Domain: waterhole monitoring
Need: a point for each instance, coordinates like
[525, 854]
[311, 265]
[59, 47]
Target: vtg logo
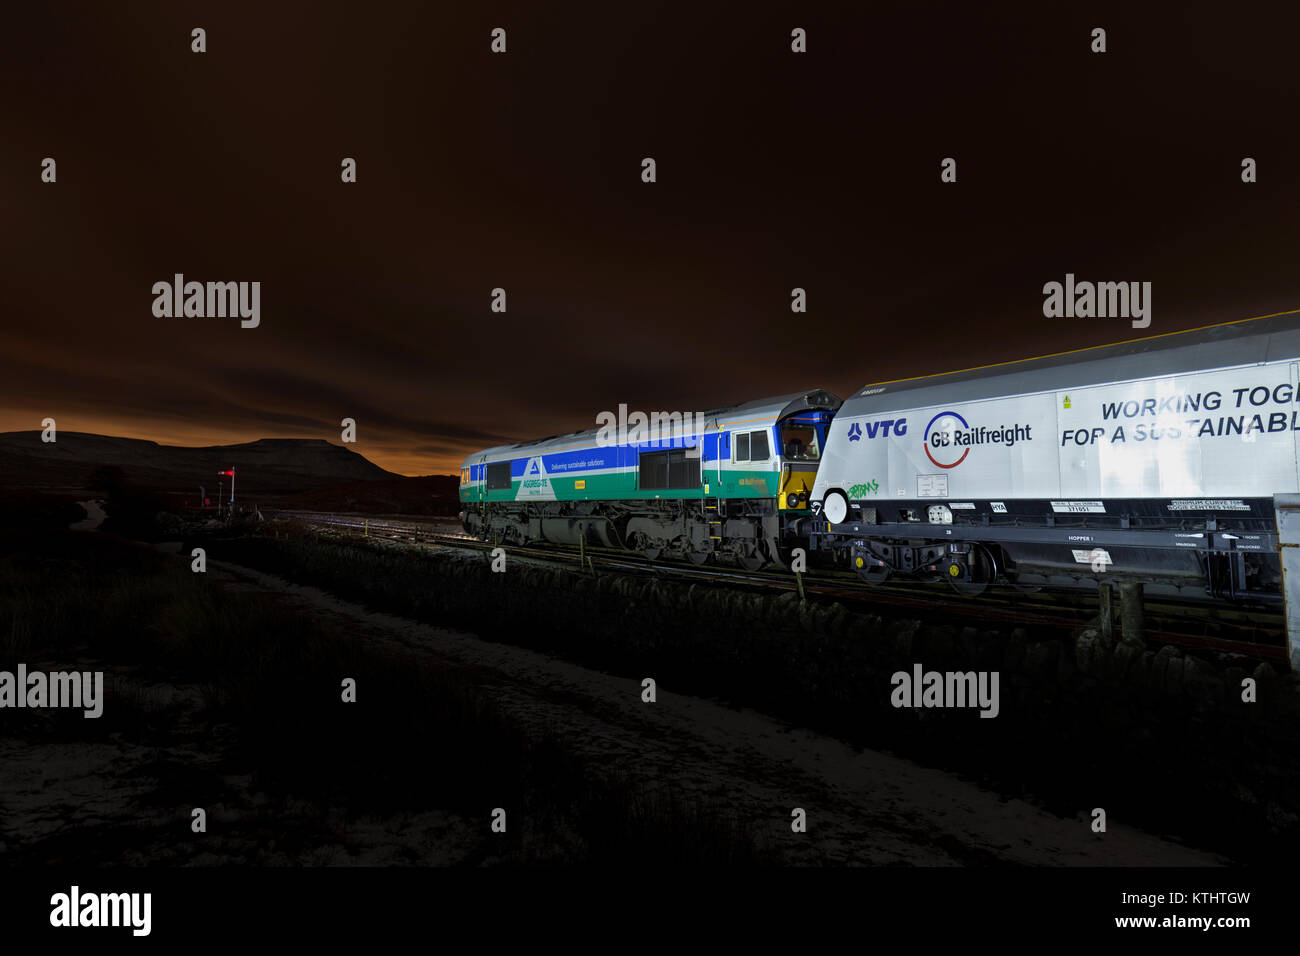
[941, 439]
[898, 425]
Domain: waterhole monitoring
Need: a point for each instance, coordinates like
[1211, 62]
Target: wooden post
[1106, 607]
[1132, 625]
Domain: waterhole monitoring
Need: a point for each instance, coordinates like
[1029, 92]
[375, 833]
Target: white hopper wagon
[1169, 461]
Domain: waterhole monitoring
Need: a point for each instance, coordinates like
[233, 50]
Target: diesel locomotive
[733, 485]
[1170, 460]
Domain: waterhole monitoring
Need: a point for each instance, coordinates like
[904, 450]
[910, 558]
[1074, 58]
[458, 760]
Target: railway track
[1232, 631]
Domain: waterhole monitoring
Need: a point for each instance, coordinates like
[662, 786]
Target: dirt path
[863, 807]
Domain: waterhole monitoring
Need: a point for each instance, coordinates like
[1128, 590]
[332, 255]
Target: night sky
[523, 171]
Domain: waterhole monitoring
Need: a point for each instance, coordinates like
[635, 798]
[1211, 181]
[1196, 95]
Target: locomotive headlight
[792, 500]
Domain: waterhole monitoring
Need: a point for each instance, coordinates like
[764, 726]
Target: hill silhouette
[268, 466]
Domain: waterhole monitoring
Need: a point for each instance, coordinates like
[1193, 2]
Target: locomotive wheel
[697, 557]
[753, 558]
[975, 577]
[641, 542]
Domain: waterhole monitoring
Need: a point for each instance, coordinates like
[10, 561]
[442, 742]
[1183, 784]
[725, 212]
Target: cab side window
[742, 447]
[758, 446]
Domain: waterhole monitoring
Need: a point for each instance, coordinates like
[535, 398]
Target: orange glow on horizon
[389, 455]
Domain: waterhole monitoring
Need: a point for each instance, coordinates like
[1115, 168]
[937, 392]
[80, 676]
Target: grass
[420, 736]
[1072, 742]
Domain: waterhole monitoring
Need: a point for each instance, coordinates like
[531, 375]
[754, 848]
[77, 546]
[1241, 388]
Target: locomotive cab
[800, 439]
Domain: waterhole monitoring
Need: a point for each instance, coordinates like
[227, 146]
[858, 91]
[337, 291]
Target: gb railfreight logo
[949, 438]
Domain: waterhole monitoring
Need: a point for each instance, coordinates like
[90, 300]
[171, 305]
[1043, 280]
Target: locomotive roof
[755, 411]
[1244, 342]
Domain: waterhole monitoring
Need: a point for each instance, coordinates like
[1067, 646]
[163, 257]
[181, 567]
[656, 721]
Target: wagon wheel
[979, 572]
[1012, 574]
[875, 574]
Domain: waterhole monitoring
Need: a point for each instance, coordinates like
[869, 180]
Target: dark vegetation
[428, 495]
[268, 683]
[32, 511]
[133, 511]
[1158, 739]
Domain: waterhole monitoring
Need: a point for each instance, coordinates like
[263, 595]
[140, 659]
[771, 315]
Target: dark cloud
[522, 171]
